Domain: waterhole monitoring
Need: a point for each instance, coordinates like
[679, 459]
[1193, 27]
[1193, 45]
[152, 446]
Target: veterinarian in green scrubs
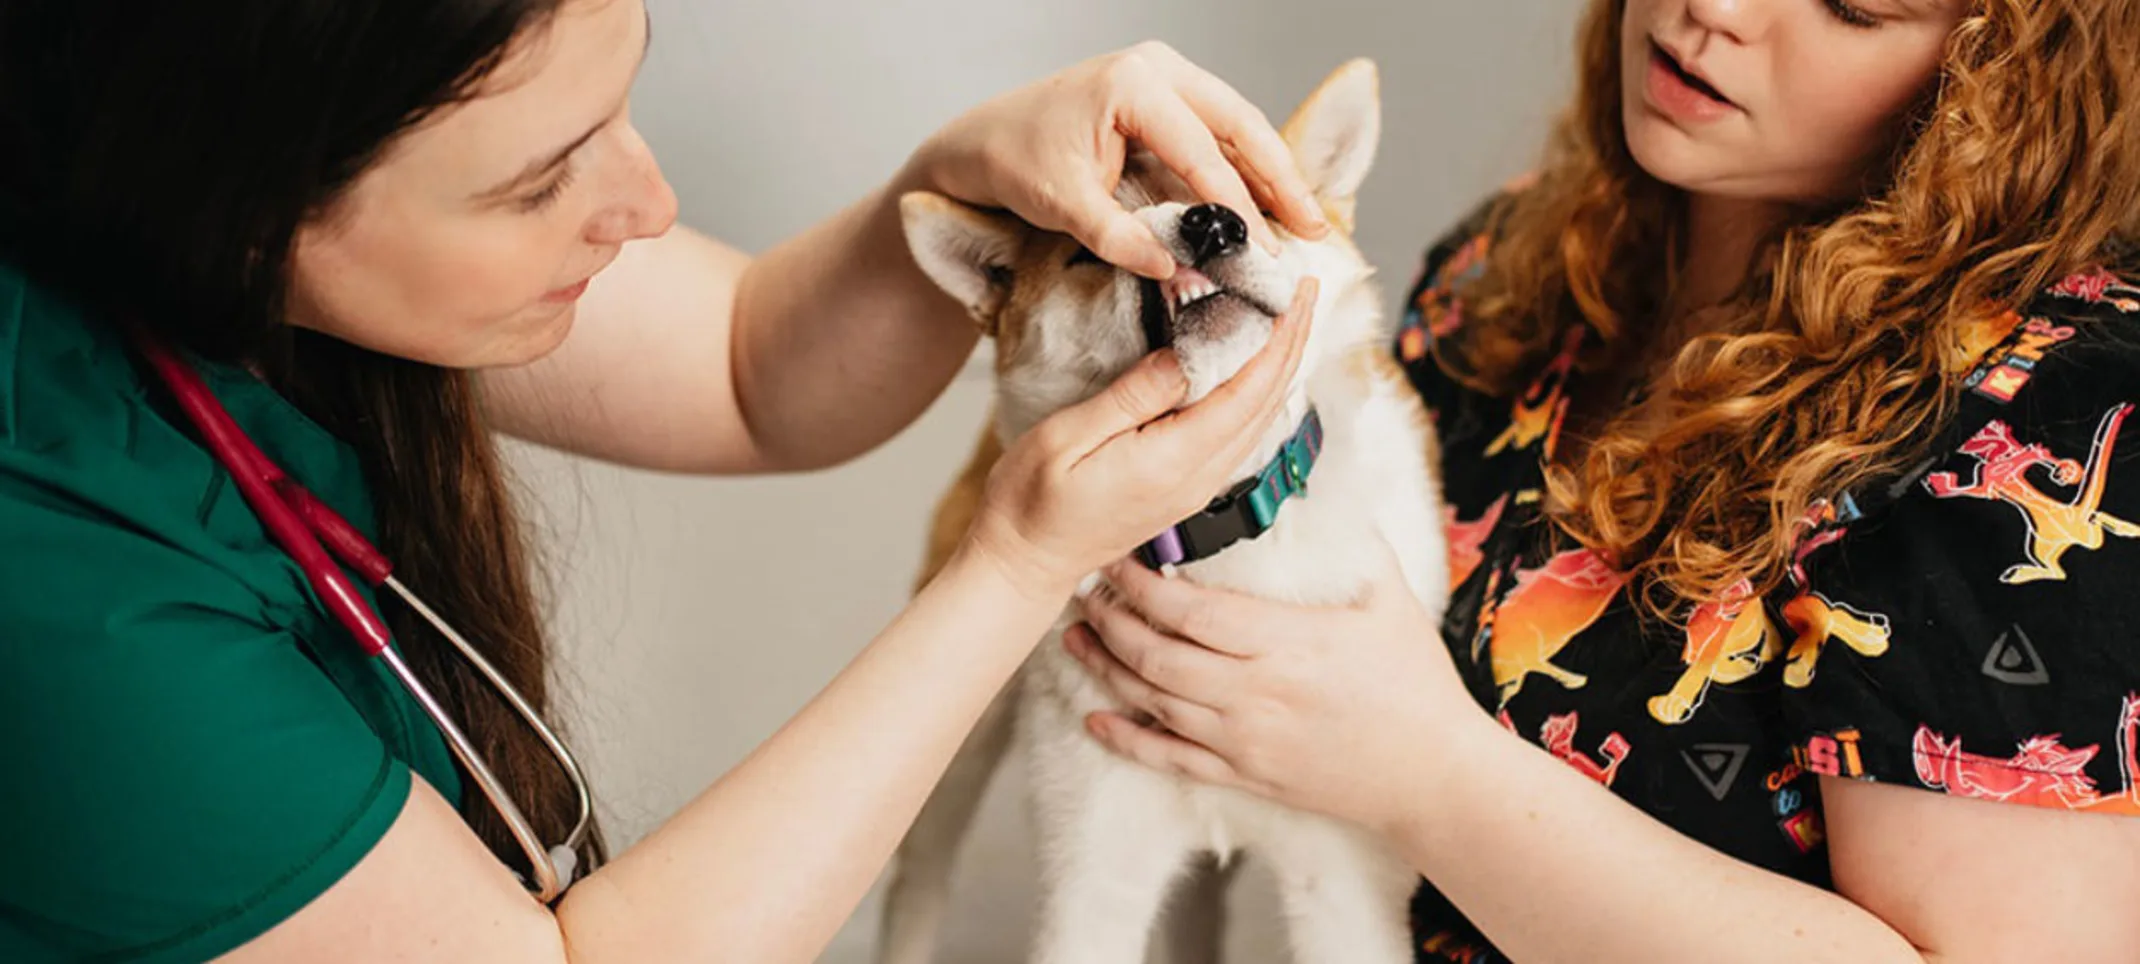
[403, 228]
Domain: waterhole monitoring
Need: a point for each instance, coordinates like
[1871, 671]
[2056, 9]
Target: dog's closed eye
[1083, 255]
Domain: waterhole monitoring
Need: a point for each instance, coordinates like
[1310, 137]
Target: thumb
[1099, 222]
[1151, 388]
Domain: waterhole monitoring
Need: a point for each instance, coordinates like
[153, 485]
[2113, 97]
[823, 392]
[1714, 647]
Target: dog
[1116, 836]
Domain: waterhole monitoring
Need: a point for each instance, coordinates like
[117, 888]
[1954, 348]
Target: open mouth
[1698, 85]
[1188, 289]
[1192, 299]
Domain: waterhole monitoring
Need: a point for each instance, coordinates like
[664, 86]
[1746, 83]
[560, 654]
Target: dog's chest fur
[1372, 478]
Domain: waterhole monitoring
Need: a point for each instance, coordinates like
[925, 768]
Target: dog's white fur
[1114, 835]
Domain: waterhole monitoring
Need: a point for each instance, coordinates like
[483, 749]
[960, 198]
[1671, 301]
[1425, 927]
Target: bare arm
[768, 862]
[764, 865]
[1574, 873]
[691, 356]
[1548, 863]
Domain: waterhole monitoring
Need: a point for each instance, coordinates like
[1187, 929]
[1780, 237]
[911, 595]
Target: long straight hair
[180, 147]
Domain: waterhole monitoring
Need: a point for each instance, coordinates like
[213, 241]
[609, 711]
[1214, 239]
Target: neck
[1722, 237]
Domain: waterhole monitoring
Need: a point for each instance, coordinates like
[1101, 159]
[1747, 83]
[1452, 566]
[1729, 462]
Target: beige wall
[697, 614]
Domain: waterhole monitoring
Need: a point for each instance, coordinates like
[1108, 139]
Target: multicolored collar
[1246, 511]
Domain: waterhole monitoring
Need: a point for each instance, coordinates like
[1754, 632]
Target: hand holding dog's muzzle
[1095, 480]
[1053, 153]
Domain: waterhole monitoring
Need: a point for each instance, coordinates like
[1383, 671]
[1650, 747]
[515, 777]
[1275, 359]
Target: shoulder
[158, 698]
[1434, 307]
[1455, 255]
[195, 740]
[63, 374]
[2075, 343]
[96, 506]
[80, 465]
[1974, 627]
[160, 690]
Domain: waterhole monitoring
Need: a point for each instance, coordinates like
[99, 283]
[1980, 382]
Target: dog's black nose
[1212, 230]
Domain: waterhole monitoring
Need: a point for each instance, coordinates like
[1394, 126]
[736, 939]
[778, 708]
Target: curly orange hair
[1837, 358]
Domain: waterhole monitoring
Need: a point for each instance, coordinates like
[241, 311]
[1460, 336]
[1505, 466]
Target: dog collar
[1247, 510]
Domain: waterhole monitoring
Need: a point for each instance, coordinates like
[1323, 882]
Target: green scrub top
[191, 749]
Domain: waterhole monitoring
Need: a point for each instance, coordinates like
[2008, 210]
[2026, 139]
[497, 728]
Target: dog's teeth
[1191, 292]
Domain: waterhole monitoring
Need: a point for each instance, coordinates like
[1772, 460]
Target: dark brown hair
[181, 146]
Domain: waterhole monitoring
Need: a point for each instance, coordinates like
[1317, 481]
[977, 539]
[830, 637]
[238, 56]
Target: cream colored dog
[1116, 836]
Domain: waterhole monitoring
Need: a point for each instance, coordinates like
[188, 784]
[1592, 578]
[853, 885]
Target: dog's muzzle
[1210, 232]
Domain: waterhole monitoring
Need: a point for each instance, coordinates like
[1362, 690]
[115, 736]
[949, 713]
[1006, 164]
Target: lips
[1682, 94]
[568, 294]
[1690, 77]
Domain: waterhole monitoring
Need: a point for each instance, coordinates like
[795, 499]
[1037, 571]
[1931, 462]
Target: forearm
[1553, 867]
[839, 341]
[767, 863]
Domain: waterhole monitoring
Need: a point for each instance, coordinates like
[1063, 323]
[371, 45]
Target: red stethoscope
[308, 530]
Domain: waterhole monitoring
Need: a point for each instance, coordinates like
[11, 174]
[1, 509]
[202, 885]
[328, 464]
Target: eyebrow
[549, 162]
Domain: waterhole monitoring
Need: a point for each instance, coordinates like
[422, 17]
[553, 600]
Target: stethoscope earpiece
[567, 861]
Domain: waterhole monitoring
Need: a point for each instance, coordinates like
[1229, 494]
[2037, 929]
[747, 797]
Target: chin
[535, 342]
[1664, 151]
[1669, 155]
[509, 344]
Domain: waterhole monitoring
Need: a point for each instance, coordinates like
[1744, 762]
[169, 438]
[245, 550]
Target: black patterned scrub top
[1971, 629]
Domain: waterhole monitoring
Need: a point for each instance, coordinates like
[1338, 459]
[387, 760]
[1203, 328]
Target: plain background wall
[695, 615]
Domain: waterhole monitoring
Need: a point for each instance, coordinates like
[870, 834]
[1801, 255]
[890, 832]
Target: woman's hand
[1053, 152]
[1095, 480]
[1354, 711]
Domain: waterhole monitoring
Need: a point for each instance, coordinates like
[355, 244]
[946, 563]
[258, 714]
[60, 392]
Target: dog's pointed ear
[968, 252]
[1334, 136]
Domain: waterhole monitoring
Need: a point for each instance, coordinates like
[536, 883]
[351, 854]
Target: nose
[1212, 231]
[646, 207]
[648, 212]
[1742, 20]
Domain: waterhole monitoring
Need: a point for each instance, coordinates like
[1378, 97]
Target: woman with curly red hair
[1787, 444]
